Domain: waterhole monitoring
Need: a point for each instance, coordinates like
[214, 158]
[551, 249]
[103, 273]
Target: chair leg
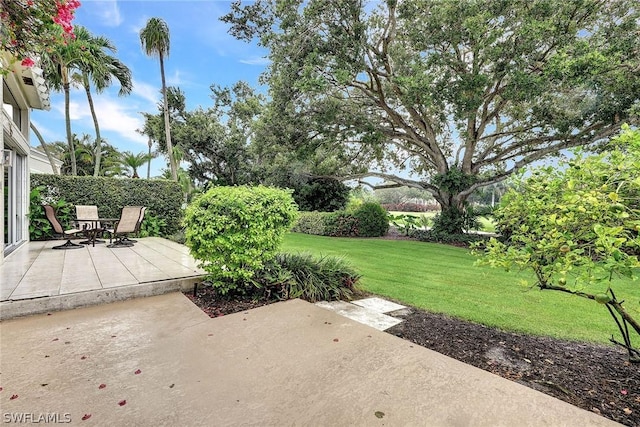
[68, 245]
[120, 243]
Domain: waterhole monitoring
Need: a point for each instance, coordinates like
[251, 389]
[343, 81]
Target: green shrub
[39, 226]
[317, 279]
[373, 220]
[434, 236]
[233, 231]
[163, 198]
[152, 226]
[310, 223]
[321, 194]
[340, 224]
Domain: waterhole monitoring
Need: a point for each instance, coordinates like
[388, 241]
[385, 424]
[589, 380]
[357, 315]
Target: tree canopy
[456, 95]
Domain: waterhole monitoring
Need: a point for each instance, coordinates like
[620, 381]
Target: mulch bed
[593, 377]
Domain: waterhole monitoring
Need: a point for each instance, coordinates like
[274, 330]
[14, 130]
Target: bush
[310, 223]
[373, 220]
[411, 207]
[316, 279]
[340, 224]
[234, 231]
[162, 198]
[434, 236]
[39, 226]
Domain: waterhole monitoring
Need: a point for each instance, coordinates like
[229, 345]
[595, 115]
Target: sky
[202, 53]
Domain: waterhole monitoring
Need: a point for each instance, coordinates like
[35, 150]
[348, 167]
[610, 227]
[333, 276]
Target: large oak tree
[458, 94]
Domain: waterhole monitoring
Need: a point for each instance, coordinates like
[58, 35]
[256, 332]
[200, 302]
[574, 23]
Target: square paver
[378, 304]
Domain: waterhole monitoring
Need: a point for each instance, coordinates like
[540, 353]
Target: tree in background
[577, 227]
[85, 149]
[133, 162]
[100, 72]
[459, 94]
[155, 41]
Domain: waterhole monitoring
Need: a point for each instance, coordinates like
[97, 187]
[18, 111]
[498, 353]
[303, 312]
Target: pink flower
[27, 62]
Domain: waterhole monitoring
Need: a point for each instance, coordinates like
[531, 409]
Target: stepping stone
[363, 315]
[378, 304]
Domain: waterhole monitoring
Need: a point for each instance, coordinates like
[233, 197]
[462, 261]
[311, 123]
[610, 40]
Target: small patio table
[93, 231]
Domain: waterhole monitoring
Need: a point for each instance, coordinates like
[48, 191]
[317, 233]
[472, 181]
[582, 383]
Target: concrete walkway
[160, 361]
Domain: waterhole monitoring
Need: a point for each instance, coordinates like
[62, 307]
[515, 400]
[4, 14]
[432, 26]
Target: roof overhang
[32, 84]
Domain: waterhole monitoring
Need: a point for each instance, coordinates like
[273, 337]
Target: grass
[443, 279]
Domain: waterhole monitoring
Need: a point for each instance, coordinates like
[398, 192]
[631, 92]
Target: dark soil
[593, 377]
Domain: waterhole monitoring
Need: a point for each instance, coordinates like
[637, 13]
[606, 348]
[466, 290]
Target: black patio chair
[57, 227]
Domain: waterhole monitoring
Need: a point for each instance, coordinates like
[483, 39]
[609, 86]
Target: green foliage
[310, 223]
[576, 226]
[372, 219]
[161, 197]
[152, 226]
[321, 194]
[314, 279]
[39, 226]
[408, 223]
[340, 224]
[234, 231]
[465, 239]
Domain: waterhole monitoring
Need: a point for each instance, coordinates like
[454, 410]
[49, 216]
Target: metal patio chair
[126, 225]
[57, 227]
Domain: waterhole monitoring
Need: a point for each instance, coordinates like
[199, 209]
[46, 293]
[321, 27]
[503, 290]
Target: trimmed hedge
[163, 198]
[368, 220]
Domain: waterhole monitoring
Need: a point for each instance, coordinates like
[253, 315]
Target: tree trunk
[451, 219]
[149, 162]
[67, 117]
[167, 126]
[98, 147]
[44, 148]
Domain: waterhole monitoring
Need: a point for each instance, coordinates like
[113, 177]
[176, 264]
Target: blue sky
[202, 53]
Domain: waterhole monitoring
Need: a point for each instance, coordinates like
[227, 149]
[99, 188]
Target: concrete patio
[38, 279]
[160, 361]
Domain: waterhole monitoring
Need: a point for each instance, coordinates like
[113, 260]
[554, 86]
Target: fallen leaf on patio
[46, 355]
[623, 391]
[85, 417]
[336, 340]
[44, 385]
[1, 389]
[627, 411]
[138, 371]
[210, 335]
[55, 339]
[13, 397]
[67, 342]
[101, 386]
[113, 336]
[379, 414]
[172, 385]
[83, 357]
[122, 402]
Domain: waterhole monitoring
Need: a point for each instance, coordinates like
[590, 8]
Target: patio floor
[37, 279]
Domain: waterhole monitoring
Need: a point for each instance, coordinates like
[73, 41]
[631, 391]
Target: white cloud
[117, 116]
[146, 91]
[256, 60]
[108, 12]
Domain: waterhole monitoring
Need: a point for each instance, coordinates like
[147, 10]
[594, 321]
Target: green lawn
[443, 279]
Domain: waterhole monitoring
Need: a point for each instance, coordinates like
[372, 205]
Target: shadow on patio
[38, 279]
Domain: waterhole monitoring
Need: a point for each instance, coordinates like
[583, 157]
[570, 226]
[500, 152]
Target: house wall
[15, 137]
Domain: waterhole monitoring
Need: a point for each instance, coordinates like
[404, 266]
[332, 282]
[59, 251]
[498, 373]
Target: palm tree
[100, 72]
[58, 65]
[45, 147]
[154, 38]
[133, 162]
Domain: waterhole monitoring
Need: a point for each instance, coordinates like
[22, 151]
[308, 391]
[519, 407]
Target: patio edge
[20, 308]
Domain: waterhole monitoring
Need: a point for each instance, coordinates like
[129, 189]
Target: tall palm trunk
[98, 147]
[149, 162]
[167, 127]
[67, 116]
[44, 148]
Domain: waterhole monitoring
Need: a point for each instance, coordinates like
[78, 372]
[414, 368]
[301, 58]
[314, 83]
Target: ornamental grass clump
[234, 231]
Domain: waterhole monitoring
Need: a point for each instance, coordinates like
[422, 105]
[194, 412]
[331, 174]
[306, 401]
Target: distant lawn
[443, 279]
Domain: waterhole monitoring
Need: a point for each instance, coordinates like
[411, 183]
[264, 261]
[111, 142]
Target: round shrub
[373, 220]
[233, 231]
